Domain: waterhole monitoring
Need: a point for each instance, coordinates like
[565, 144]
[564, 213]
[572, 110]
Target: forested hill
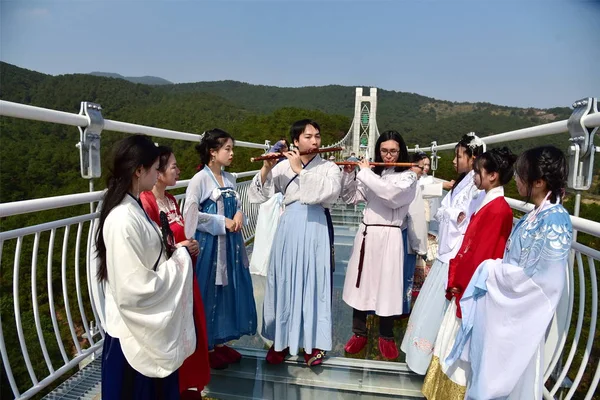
[420, 119]
[39, 159]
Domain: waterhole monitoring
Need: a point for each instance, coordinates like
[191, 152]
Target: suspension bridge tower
[365, 132]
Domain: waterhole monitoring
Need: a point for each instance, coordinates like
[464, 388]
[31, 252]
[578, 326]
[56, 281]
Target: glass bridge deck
[361, 376]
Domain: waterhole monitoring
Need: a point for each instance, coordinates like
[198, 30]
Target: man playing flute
[297, 306]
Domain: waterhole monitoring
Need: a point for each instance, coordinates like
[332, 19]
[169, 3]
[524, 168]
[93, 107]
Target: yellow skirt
[437, 385]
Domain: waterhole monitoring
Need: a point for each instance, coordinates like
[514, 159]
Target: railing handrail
[17, 110]
[553, 128]
[49, 203]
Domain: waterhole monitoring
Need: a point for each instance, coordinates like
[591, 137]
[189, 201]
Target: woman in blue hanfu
[509, 302]
[453, 217]
[214, 218]
[297, 306]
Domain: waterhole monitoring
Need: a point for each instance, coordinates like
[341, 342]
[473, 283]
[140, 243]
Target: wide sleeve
[352, 192]
[259, 192]
[213, 224]
[417, 224]
[505, 303]
[320, 185]
[394, 193]
[154, 305]
[439, 214]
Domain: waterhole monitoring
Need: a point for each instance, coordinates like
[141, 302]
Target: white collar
[467, 180]
[490, 196]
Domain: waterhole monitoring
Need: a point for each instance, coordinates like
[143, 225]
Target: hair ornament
[476, 142]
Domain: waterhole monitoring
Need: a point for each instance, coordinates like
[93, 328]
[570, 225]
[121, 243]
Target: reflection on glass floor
[340, 377]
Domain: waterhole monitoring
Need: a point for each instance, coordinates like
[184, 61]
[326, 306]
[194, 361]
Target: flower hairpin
[476, 141]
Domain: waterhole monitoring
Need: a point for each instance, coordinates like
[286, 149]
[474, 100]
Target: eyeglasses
[391, 152]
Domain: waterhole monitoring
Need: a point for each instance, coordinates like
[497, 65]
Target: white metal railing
[10, 109]
[70, 319]
[553, 128]
[76, 304]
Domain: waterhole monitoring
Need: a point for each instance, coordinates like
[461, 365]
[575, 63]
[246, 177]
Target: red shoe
[355, 344]
[314, 358]
[216, 360]
[276, 357]
[230, 355]
[191, 395]
[388, 348]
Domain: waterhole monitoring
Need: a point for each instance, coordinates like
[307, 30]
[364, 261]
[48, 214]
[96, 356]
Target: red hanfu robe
[484, 239]
[195, 371]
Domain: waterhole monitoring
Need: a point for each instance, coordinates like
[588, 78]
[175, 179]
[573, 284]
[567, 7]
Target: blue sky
[540, 53]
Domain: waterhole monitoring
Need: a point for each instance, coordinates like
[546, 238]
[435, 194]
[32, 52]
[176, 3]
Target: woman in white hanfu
[509, 303]
[148, 317]
[375, 273]
[453, 217]
[297, 305]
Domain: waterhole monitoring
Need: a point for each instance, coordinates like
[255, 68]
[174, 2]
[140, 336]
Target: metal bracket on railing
[434, 156]
[582, 149]
[89, 140]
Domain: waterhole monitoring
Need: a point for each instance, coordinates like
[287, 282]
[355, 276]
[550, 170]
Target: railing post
[434, 158]
[89, 143]
[581, 150]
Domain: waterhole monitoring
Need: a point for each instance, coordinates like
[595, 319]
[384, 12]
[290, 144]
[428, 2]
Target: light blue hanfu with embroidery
[222, 265]
[508, 306]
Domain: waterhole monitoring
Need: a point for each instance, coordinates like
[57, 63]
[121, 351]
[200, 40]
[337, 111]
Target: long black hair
[213, 139]
[418, 156]
[164, 153]
[128, 155]
[470, 149]
[402, 155]
[500, 161]
[547, 163]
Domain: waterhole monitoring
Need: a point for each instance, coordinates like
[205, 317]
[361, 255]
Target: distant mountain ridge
[146, 80]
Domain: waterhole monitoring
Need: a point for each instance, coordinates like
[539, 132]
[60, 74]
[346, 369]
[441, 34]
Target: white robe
[416, 224]
[465, 198]
[150, 312]
[388, 198]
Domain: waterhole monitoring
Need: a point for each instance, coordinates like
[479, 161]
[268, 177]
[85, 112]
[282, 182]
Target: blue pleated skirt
[121, 381]
[297, 306]
[230, 310]
[410, 263]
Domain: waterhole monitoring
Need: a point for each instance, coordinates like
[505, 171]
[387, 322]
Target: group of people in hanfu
[178, 288]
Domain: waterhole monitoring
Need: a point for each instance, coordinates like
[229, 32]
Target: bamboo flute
[272, 156]
[378, 164]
